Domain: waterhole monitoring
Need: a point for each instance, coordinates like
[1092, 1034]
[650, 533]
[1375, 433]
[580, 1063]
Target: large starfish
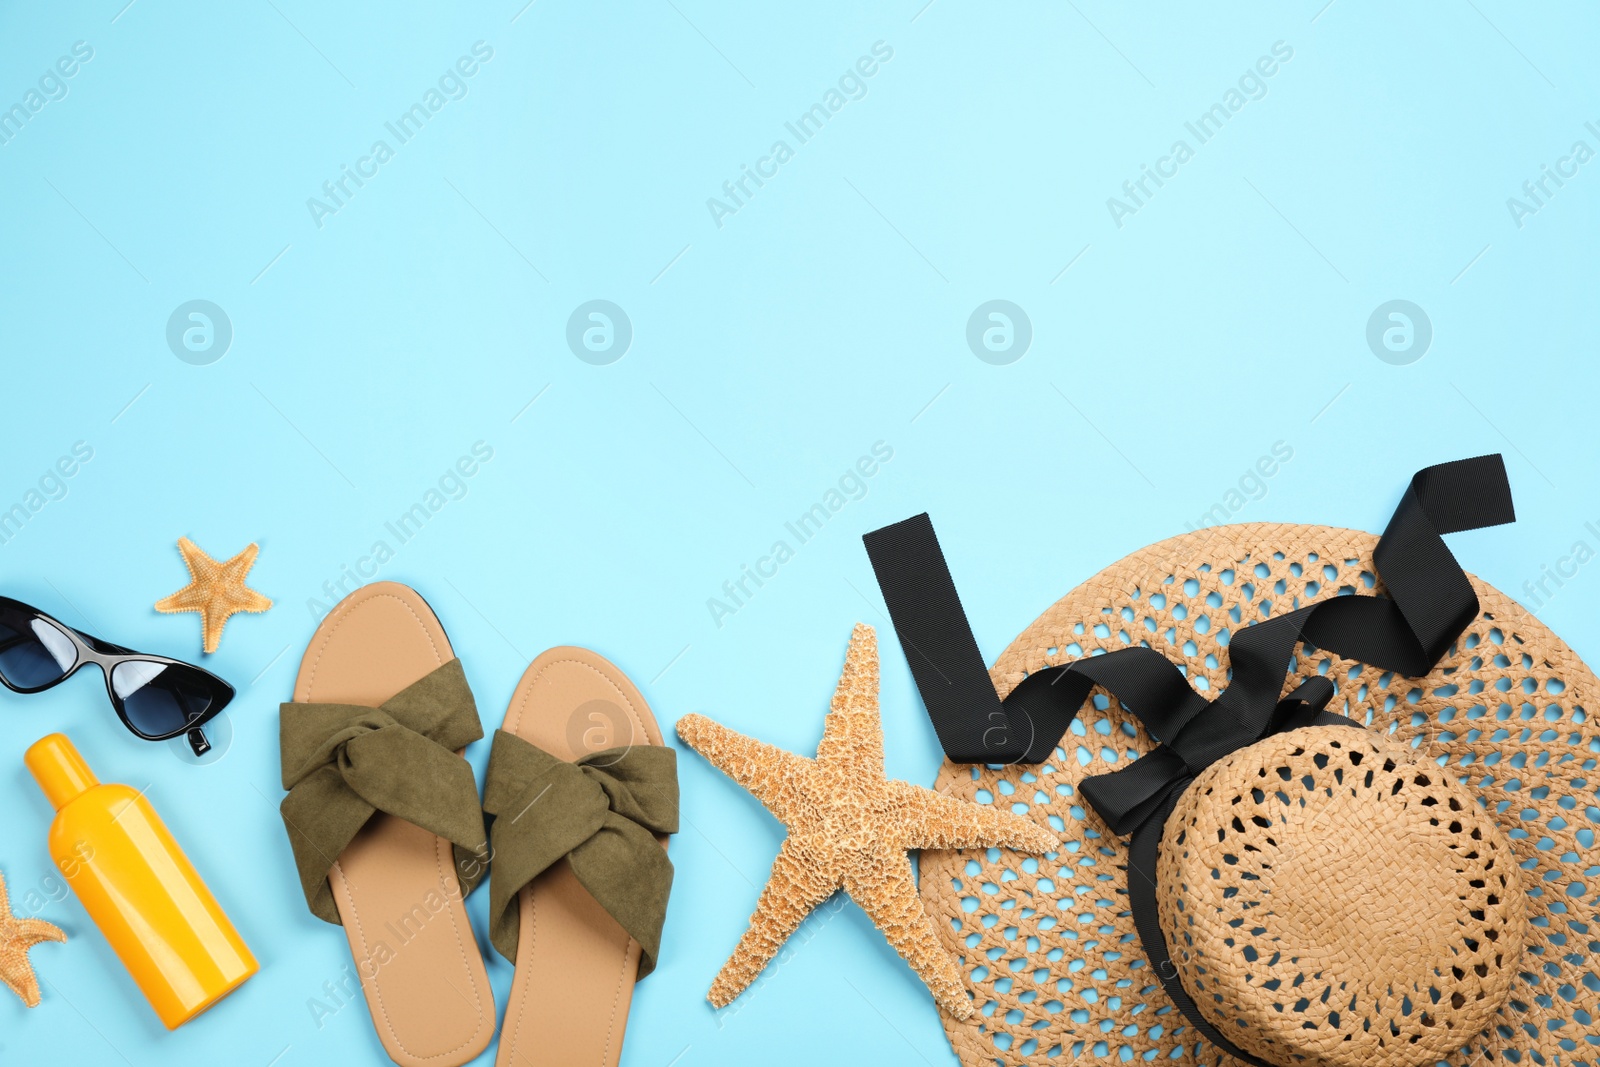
[216, 590]
[850, 828]
[17, 936]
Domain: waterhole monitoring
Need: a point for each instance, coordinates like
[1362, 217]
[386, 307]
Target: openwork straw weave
[1329, 899]
[1048, 948]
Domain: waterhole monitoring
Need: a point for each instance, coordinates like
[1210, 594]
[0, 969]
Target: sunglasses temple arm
[198, 742]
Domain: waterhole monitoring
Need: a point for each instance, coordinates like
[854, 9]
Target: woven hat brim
[1048, 946]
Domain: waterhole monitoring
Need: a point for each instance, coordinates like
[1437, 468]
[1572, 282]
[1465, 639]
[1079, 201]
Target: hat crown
[1329, 898]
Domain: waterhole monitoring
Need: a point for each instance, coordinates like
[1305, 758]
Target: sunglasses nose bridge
[108, 663]
[88, 657]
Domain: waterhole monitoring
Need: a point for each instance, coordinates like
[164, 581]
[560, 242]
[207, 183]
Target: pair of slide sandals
[389, 836]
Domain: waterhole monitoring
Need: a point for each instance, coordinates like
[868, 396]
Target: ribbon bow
[1128, 797]
[602, 813]
[342, 763]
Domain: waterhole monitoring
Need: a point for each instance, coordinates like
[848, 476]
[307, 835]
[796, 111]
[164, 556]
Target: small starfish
[17, 936]
[216, 590]
[850, 828]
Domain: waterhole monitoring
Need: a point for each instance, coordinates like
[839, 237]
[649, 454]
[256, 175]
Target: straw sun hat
[1399, 871]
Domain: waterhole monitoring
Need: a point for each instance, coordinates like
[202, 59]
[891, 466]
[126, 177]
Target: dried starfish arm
[933, 820]
[793, 889]
[29, 932]
[769, 773]
[852, 732]
[17, 975]
[887, 891]
[17, 936]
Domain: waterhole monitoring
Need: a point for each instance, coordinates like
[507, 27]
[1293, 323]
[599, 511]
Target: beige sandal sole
[576, 965]
[395, 884]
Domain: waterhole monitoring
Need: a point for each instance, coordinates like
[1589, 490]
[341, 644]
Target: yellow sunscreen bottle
[139, 887]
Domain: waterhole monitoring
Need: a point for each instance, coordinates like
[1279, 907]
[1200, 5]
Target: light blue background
[829, 313]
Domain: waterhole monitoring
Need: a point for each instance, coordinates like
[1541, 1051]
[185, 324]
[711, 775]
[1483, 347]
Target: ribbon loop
[1303, 707]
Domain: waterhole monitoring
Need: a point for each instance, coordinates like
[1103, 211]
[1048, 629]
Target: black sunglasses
[156, 698]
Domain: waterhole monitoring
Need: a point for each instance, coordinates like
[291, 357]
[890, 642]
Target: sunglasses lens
[33, 652]
[162, 699]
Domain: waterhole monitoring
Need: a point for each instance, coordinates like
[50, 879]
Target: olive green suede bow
[602, 813]
[344, 762]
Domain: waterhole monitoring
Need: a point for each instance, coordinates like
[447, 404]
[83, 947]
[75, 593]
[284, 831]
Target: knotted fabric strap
[602, 813]
[344, 762]
[1431, 603]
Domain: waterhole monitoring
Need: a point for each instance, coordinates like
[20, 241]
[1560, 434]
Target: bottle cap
[59, 769]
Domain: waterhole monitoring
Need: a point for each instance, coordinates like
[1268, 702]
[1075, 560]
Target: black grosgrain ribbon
[1430, 603]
